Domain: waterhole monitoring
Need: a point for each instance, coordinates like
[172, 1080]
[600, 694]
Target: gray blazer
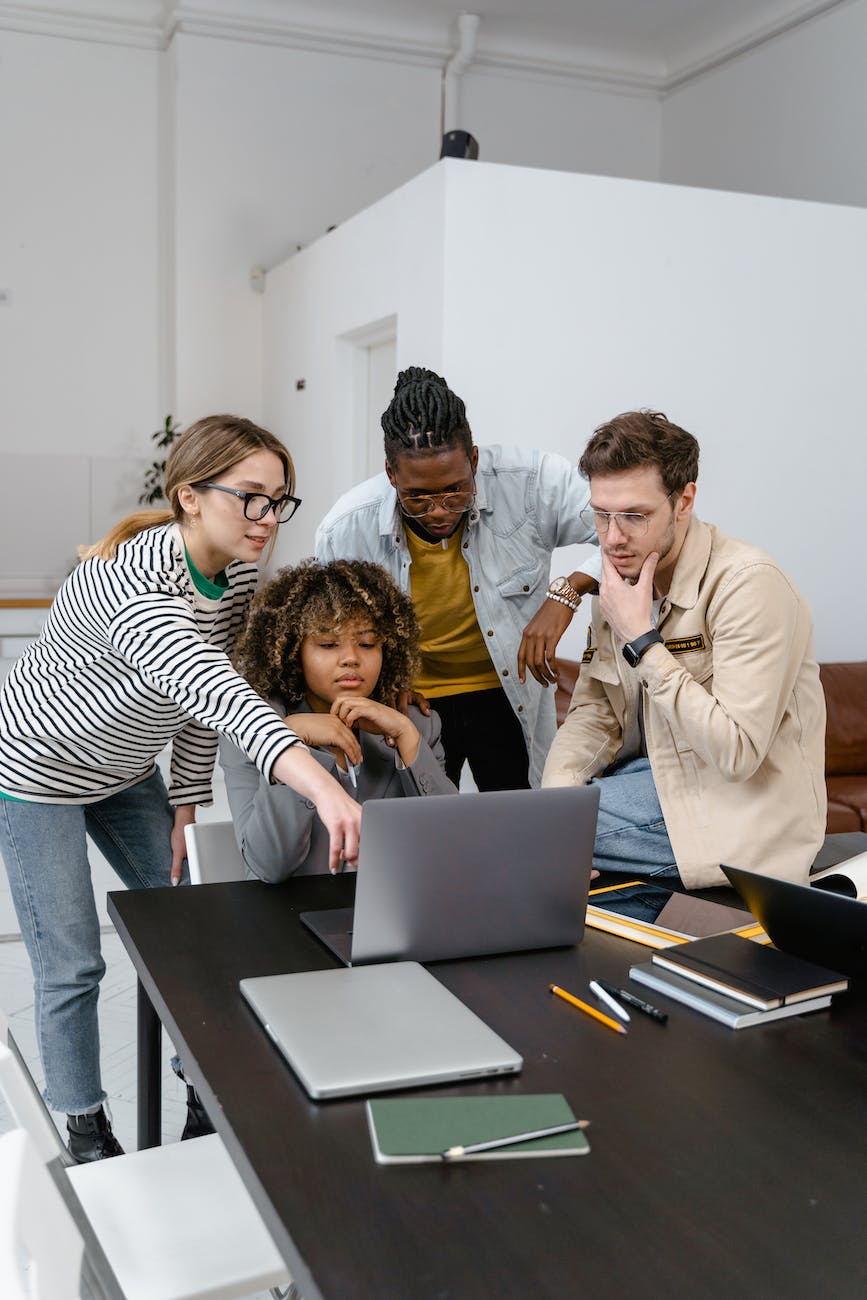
[277, 829]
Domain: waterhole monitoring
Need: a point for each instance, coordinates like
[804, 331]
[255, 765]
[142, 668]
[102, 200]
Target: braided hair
[424, 415]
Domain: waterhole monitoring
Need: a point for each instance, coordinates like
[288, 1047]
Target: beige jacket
[733, 710]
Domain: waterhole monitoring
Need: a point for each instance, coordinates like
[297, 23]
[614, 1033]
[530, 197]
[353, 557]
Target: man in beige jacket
[699, 707]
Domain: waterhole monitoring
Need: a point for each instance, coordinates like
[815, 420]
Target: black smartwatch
[633, 650]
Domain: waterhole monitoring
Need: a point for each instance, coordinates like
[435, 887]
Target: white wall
[786, 119]
[273, 146]
[567, 299]
[79, 254]
[79, 364]
[544, 122]
[386, 264]
[141, 186]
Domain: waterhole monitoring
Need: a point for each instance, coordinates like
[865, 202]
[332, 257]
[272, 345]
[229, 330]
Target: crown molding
[139, 25]
[751, 38]
[153, 24]
[265, 29]
[620, 80]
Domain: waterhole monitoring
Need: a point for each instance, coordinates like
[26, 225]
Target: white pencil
[609, 1001]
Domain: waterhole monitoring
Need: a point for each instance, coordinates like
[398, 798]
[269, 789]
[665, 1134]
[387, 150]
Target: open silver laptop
[375, 1028]
[468, 874]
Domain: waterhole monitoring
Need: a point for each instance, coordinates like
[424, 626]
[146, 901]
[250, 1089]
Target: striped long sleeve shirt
[131, 658]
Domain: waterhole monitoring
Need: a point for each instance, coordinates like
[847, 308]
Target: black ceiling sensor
[459, 144]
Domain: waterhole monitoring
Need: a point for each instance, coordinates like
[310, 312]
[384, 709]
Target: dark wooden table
[723, 1163]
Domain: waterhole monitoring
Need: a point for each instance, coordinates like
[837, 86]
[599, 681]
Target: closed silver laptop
[464, 875]
[375, 1028]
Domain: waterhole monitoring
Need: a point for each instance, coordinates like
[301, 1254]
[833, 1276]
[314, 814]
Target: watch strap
[633, 650]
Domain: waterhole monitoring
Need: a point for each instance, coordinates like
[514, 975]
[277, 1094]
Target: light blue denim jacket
[527, 503]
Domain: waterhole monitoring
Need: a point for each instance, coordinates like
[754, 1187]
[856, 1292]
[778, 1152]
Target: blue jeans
[630, 833]
[44, 847]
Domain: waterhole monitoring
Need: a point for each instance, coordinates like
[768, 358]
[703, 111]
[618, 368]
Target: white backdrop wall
[566, 299]
[786, 119]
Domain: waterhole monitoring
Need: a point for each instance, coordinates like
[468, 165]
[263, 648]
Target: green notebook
[415, 1130]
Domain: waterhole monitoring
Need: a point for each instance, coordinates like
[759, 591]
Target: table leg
[149, 1073]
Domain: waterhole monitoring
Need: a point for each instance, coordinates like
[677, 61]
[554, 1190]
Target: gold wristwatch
[561, 590]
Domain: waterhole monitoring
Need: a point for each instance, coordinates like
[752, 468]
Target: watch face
[558, 585]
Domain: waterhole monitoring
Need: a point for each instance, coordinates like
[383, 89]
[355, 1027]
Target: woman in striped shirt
[133, 656]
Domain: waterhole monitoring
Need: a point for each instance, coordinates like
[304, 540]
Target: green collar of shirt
[213, 590]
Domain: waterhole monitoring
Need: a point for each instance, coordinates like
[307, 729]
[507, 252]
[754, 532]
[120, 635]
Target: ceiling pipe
[468, 26]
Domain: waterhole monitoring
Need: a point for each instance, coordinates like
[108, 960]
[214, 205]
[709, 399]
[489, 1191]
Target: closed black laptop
[815, 924]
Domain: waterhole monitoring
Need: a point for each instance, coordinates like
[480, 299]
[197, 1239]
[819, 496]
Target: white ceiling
[662, 34]
[662, 40]
[649, 43]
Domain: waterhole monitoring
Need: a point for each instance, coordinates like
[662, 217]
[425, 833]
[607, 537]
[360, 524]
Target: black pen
[632, 1001]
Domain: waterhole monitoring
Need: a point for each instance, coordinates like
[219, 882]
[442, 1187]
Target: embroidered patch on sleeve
[681, 645]
[590, 650]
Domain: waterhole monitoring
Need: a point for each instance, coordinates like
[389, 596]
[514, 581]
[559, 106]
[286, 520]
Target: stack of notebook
[738, 981]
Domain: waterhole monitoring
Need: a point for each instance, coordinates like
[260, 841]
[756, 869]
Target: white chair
[41, 1249]
[212, 853]
[175, 1222]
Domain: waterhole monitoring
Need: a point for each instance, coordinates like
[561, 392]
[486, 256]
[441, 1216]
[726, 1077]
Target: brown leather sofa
[845, 687]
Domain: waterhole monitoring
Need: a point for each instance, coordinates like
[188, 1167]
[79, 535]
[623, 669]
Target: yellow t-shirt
[454, 656]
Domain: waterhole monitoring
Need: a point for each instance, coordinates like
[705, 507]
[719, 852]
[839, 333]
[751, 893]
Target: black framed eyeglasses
[257, 504]
[455, 503]
[628, 521]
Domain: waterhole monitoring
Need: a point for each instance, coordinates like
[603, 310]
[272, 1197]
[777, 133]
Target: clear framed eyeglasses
[630, 522]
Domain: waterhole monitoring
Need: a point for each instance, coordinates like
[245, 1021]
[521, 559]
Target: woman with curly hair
[330, 646]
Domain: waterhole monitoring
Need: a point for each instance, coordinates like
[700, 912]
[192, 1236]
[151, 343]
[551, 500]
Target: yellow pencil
[582, 1006]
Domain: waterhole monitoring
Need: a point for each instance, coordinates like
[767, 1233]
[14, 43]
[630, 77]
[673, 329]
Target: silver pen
[455, 1153]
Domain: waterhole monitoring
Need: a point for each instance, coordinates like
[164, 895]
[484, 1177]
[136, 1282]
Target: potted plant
[153, 479]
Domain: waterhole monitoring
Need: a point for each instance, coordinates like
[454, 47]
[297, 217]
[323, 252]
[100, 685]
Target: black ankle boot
[198, 1124]
[91, 1138]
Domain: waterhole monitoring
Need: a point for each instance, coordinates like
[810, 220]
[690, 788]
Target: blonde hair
[207, 449]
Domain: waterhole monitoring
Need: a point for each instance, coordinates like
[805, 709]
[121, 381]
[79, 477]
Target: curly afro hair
[311, 598]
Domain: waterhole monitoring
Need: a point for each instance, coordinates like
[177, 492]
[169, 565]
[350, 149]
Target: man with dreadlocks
[468, 531]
